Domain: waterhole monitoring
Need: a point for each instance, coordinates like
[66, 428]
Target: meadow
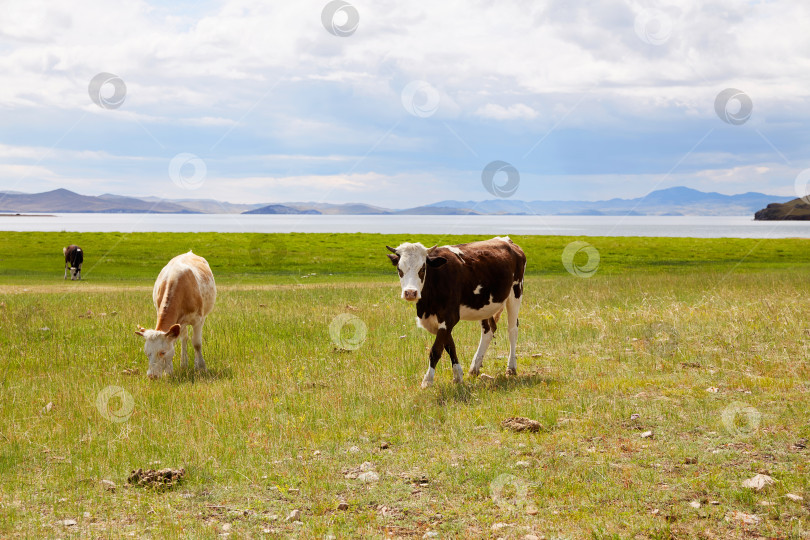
[661, 382]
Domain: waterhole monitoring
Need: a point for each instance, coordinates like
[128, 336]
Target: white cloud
[270, 79]
[518, 111]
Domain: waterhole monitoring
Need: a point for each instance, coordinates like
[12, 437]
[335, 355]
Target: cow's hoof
[474, 372]
[458, 374]
[426, 384]
[511, 372]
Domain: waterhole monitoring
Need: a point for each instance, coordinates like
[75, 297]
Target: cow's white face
[159, 348]
[412, 261]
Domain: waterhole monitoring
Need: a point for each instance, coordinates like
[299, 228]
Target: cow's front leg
[450, 347]
[184, 347]
[435, 354]
[196, 340]
[66, 270]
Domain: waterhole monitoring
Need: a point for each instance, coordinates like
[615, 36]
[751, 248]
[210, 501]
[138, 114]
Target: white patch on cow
[428, 378]
[430, 323]
[477, 290]
[443, 326]
[504, 238]
[412, 258]
[466, 313]
[458, 373]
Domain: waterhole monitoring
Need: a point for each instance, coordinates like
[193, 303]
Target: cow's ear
[173, 332]
[140, 331]
[436, 262]
[394, 259]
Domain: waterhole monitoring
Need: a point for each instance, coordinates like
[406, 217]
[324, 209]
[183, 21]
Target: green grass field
[702, 342]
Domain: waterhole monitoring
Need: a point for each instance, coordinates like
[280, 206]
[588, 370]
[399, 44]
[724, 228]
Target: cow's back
[188, 281]
[73, 255]
[476, 275]
[492, 260]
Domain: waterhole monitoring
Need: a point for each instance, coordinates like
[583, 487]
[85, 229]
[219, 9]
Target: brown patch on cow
[178, 297]
[490, 325]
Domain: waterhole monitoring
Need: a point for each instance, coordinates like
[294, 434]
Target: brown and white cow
[466, 282]
[74, 257]
[184, 295]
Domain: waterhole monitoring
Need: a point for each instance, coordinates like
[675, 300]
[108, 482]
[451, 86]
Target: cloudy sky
[403, 103]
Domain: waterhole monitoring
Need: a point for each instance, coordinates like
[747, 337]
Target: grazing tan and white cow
[184, 295]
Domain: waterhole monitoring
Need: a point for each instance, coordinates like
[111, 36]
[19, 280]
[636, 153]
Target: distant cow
[74, 257]
[184, 295]
[467, 282]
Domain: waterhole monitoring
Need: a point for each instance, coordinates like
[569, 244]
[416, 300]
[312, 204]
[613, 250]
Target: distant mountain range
[676, 201]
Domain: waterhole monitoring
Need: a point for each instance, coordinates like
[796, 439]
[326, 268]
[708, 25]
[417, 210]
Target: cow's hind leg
[184, 346]
[488, 327]
[196, 340]
[66, 269]
[450, 347]
[512, 309]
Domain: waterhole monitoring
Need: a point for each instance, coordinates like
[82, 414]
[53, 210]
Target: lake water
[686, 226]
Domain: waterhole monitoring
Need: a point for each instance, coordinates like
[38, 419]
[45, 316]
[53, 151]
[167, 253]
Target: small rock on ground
[343, 505]
[368, 477]
[758, 482]
[742, 517]
[796, 498]
[294, 515]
